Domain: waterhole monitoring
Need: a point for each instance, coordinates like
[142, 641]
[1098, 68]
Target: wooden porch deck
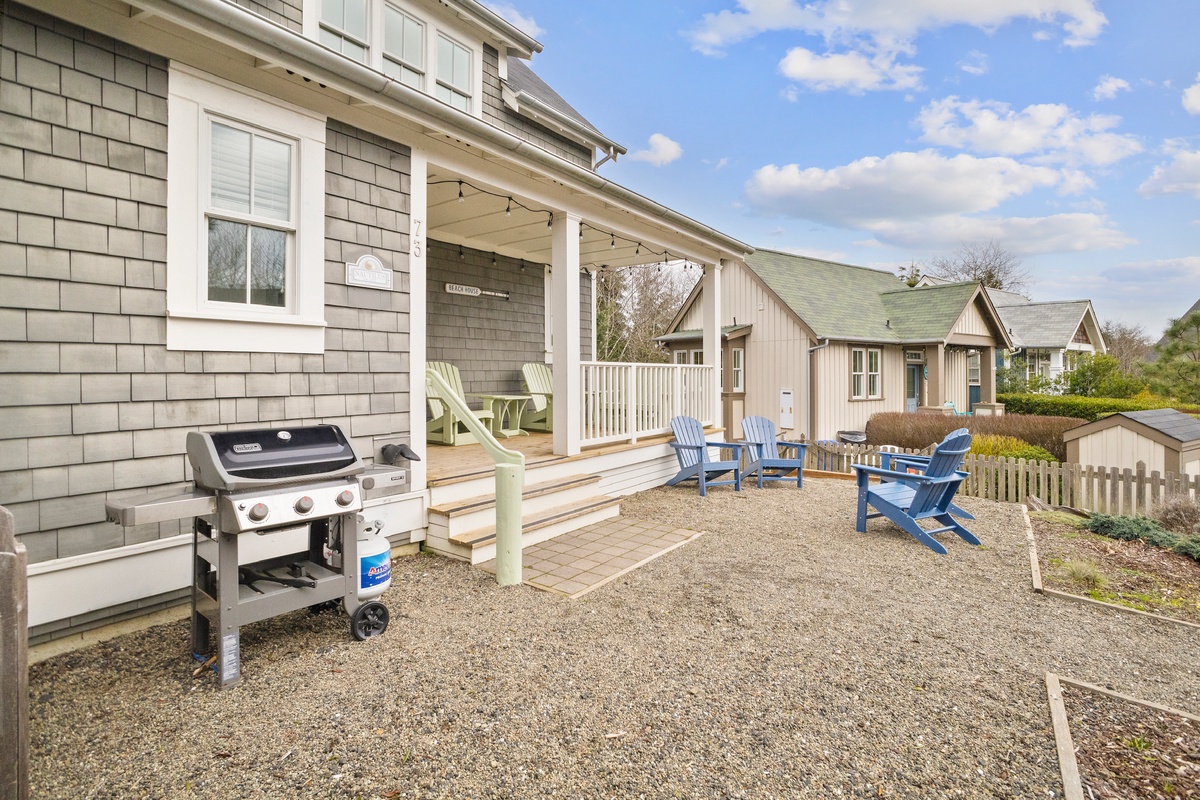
[451, 464]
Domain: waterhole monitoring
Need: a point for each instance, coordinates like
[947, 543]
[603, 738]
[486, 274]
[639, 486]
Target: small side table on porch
[503, 406]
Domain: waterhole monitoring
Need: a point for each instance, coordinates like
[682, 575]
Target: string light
[508, 210]
[461, 198]
[613, 246]
[461, 254]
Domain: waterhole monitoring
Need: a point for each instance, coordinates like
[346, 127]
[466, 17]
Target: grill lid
[235, 460]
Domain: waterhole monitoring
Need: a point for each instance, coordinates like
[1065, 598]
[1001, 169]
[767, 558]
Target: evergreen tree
[1176, 371]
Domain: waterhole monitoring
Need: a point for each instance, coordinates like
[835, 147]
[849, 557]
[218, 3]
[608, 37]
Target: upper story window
[403, 47]
[454, 74]
[402, 40]
[344, 27]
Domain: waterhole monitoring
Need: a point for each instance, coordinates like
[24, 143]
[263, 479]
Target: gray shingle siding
[489, 338]
[93, 402]
[288, 13]
[496, 113]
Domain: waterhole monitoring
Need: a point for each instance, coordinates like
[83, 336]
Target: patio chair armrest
[908, 477]
[738, 446]
[799, 447]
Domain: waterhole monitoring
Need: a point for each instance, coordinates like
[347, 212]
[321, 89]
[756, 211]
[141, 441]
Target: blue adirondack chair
[905, 497]
[765, 452]
[907, 461]
[696, 461]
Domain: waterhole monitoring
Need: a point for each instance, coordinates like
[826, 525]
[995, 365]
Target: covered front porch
[511, 266]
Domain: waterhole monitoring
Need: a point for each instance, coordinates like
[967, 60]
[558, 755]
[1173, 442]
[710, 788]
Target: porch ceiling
[485, 220]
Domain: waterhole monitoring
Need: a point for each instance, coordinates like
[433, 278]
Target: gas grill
[276, 529]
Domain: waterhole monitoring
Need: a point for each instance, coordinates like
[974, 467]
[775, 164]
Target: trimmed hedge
[922, 430]
[1085, 408]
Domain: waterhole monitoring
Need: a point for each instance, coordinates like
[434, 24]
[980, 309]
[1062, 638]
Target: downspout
[812, 389]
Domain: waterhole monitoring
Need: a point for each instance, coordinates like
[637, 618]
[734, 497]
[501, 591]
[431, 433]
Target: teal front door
[912, 388]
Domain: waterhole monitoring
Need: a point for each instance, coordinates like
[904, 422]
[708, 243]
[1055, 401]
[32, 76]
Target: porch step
[479, 545]
[460, 516]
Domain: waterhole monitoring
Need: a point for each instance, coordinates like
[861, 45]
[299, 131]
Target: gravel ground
[780, 655]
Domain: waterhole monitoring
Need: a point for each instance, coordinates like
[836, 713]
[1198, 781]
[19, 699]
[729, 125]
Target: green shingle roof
[841, 301]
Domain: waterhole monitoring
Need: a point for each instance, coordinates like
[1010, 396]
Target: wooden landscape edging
[1067, 765]
[1036, 574]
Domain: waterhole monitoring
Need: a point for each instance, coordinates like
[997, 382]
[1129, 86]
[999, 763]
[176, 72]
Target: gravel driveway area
[780, 655]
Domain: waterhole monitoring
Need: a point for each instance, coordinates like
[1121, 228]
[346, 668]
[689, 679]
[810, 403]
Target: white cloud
[1050, 133]
[884, 21]
[976, 63]
[662, 151]
[509, 13]
[1185, 271]
[1108, 87]
[925, 199]
[1191, 97]
[854, 71]
[1180, 175]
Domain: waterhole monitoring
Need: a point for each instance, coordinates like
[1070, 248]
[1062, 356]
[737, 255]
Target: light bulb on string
[508, 210]
[461, 254]
[613, 245]
[461, 197]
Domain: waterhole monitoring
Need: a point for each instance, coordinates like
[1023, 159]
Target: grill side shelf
[145, 511]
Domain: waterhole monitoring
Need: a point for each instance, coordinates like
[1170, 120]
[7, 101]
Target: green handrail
[510, 483]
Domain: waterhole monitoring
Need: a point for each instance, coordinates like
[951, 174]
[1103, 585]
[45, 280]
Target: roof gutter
[278, 46]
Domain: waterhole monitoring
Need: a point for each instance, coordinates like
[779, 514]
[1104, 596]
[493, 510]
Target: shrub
[1189, 547]
[1000, 446]
[1126, 529]
[1180, 514]
[918, 431]
[1085, 408]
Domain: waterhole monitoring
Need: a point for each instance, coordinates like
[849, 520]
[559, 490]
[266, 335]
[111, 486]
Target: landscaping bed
[1126, 750]
[1132, 574]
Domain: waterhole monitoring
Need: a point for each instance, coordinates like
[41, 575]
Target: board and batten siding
[956, 378]
[835, 411]
[1121, 447]
[971, 322]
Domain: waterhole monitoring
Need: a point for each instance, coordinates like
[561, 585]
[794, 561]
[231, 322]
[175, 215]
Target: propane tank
[374, 560]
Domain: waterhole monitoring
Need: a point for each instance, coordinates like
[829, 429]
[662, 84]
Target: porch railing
[623, 402]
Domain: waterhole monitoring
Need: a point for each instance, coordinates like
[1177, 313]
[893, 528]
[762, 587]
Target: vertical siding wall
[495, 112]
[489, 338]
[91, 400]
[1121, 447]
[831, 374]
[956, 378]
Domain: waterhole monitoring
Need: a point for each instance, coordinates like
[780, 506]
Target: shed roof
[1163, 424]
[727, 332]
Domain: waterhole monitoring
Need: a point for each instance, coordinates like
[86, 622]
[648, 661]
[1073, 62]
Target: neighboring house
[819, 346]
[275, 213]
[1048, 336]
[1163, 439]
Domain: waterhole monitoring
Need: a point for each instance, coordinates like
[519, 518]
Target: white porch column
[417, 303]
[711, 294]
[564, 302]
[592, 273]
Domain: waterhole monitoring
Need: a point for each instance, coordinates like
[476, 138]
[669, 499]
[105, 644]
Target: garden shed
[1165, 439]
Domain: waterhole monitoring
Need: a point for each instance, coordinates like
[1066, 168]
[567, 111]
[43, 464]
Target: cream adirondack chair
[445, 427]
[539, 384]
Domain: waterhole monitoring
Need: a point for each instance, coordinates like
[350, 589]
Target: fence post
[14, 664]
[1140, 505]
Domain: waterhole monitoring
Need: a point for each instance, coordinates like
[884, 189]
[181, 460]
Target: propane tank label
[376, 569]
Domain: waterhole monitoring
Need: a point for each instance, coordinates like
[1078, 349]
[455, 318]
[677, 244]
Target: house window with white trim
[865, 380]
[681, 356]
[403, 47]
[697, 356]
[245, 220]
[453, 74]
[737, 360]
[344, 27]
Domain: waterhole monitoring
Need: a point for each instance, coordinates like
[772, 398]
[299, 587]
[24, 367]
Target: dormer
[434, 46]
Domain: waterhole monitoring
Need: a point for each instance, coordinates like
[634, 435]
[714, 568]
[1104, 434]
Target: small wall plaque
[368, 271]
[473, 291]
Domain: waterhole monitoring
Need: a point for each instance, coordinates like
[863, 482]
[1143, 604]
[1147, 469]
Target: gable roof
[529, 95]
[1167, 422]
[846, 302]
[1044, 325]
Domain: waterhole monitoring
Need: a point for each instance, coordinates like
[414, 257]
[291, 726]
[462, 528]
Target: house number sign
[368, 270]
[473, 291]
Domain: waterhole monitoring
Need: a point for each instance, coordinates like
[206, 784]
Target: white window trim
[312, 30]
[193, 323]
[697, 357]
[738, 354]
[681, 357]
[866, 374]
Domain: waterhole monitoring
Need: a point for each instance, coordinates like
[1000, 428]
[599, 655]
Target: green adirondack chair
[539, 384]
[444, 427]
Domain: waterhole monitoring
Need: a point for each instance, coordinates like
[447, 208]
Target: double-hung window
[453, 74]
[737, 360]
[344, 28]
[403, 47]
[681, 356]
[865, 374]
[245, 220]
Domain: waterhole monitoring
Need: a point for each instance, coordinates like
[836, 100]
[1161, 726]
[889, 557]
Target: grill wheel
[370, 619]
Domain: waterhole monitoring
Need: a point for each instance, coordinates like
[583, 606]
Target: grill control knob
[304, 505]
[258, 512]
[345, 498]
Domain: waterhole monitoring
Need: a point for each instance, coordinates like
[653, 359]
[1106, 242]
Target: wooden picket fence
[1107, 490]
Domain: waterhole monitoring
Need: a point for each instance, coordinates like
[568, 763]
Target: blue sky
[880, 133]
